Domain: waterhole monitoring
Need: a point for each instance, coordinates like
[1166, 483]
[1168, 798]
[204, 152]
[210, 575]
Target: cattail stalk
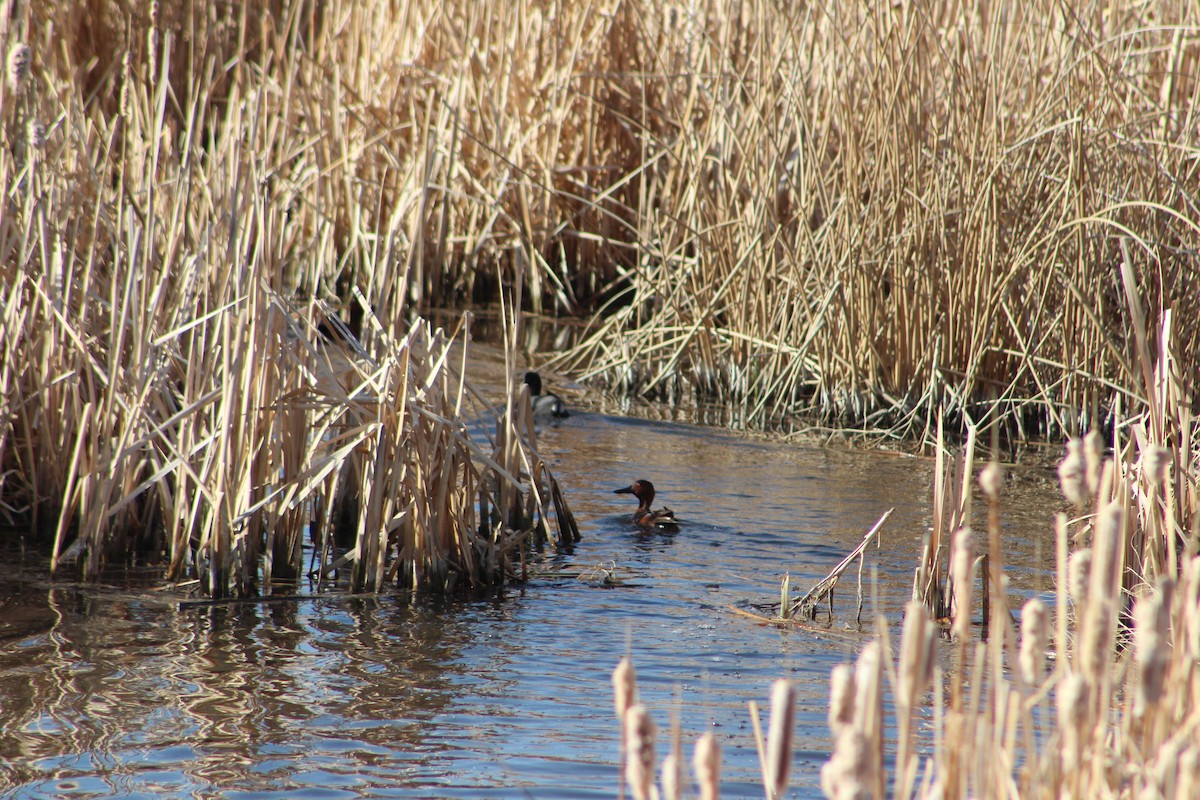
[779, 737]
[707, 763]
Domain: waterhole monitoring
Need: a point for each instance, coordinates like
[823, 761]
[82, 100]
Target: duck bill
[626, 490]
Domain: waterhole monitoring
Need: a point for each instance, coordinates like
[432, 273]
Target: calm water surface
[125, 693]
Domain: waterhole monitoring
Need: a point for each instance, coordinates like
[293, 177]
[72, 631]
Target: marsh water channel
[120, 690]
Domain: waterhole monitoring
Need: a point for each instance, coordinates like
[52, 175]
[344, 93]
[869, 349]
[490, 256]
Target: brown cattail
[1099, 613]
[841, 698]
[868, 673]
[779, 736]
[916, 653]
[1033, 641]
[962, 571]
[991, 480]
[20, 59]
[1072, 716]
[847, 774]
[1151, 623]
[1106, 550]
[639, 751]
[1079, 575]
[624, 686]
[1072, 474]
[707, 764]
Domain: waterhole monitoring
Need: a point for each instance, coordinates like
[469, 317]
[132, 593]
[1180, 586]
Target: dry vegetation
[182, 194]
[872, 211]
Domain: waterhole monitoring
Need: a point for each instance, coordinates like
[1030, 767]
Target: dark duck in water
[546, 407]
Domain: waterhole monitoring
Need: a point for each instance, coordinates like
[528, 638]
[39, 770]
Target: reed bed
[860, 212]
[211, 258]
[865, 213]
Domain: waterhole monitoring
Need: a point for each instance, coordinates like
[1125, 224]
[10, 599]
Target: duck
[663, 519]
[546, 407]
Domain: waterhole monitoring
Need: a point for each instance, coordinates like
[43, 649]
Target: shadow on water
[506, 696]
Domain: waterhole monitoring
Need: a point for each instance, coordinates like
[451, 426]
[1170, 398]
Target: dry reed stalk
[778, 761]
[823, 590]
[187, 207]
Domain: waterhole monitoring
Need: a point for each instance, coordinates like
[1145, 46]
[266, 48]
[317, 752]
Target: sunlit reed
[198, 203]
[1093, 694]
[867, 213]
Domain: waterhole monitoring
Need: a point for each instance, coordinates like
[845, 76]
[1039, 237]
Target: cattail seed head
[1106, 549]
[1079, 572]
[672, 777]
[1151, 624]
[991, 480]
[1072, 474]
[639, 751]
[779, 735]
[624, 686]
[20, 61]
[916, 653]
[846, 775]
[1072, 716]
[868, 674]
[841, 698]
[707, 764]
[1072, 701]
[1033, 641]
[962, 572]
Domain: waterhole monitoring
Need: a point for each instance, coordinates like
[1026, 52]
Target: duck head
[534, 382]
[643, 490]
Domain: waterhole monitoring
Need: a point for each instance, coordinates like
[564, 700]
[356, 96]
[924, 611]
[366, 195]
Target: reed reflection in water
[504, 696]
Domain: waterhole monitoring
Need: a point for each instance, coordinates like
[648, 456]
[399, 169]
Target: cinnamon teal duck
[644, 517]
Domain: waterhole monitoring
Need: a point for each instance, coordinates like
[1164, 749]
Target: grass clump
[193, 201]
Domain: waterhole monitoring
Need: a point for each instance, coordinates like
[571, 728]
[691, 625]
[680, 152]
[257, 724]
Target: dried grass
[200, 185]
[868, 213]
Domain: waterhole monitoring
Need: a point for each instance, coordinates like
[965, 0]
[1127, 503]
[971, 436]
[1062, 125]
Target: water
[124, 692]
